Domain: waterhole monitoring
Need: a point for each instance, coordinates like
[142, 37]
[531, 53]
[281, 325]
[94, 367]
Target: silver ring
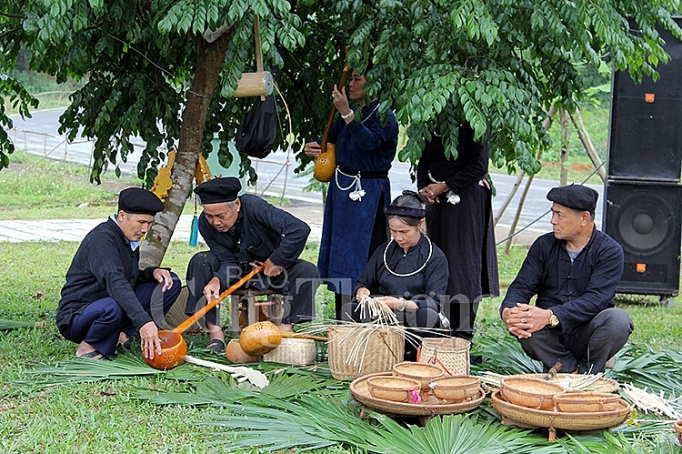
[523, 320]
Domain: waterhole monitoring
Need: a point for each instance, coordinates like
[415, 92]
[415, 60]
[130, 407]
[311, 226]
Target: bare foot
[286, 328]
[215, 332]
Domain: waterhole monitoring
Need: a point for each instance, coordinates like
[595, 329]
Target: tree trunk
[584, 136]
[565, 144]
[210, 59]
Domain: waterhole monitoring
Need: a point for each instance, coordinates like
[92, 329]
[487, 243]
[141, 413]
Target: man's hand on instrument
[149, 340]
[270, 269]
[163, 275]
[212, 289]
[312, 149]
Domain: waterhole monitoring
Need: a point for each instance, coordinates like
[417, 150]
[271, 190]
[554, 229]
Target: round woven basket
[456, 389]
[395, 389]
[528, 417]
[602, 384]
[421, 372]
[568, 381]
[360, 349]
[297, 352]
[360, 392]
[577, 402]
[530, 392]
[451, 353]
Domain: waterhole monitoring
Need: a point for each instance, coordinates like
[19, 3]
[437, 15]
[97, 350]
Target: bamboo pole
[584, 136]
[512, 229]
[564, 146]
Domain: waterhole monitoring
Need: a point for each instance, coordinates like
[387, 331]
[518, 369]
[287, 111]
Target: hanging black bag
[258, 132]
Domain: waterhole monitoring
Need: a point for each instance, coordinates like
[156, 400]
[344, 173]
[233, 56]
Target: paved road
[39, 136]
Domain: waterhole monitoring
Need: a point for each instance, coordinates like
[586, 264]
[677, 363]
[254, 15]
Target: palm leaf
[6, 325]
[645, 368]
[87, 370]
[504, 355]
[310, 422]
[222, 391]
[455, 434]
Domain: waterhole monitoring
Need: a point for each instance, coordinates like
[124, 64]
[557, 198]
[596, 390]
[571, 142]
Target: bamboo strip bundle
[651, 403]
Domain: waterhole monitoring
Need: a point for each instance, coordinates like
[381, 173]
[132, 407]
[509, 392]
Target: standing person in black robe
[106, 297]
[408, 273]
[241, 230]
[461, 223]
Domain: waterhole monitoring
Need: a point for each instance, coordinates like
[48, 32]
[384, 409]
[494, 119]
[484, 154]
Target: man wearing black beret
[574, 272]
[240, 231]
[107, 298]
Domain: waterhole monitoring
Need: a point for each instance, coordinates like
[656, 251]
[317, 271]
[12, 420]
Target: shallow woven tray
[558, 420]
[603, 384]
[359, 391]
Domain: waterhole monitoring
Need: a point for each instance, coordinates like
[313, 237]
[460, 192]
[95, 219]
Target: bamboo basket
[531, 418]
[361, 349]
[451, 353]
[297, 352]
[530, 392]
[582, 402]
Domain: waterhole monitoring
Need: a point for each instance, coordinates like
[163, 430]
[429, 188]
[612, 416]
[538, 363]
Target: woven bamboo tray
[602, 384]
[553, 420]
[360, 392]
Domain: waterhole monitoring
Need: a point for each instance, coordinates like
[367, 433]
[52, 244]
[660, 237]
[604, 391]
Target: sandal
[216, 345]
[95, 354]
[124, 347]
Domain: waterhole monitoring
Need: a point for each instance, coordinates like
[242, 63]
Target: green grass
[35, 188]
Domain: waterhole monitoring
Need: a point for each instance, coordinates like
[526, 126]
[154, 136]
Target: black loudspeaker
[643, 194]
[645, 136]
[644, 217]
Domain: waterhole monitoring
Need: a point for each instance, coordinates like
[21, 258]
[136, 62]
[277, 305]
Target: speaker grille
[644, 217]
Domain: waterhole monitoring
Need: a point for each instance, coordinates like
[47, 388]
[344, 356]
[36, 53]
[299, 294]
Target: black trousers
[103, 320]
[585, 348]
[298, 284]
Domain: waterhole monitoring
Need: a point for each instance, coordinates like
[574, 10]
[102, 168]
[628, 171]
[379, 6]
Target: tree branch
[10, 31]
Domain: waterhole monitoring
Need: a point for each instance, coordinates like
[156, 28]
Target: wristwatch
[553, 319]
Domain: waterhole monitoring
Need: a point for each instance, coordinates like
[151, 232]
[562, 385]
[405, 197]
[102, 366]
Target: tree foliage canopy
[497, 64]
